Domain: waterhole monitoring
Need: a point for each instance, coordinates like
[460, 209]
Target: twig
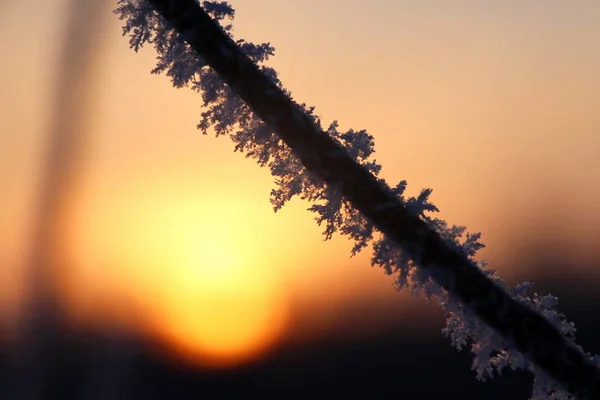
[528, 331]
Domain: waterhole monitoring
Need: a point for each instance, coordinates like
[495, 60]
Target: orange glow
[493, 106]
[188, 268]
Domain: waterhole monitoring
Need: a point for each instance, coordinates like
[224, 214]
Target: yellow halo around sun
[196, 267]
[219, 301]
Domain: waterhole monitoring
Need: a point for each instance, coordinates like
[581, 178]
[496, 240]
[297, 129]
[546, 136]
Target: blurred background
[140, 259]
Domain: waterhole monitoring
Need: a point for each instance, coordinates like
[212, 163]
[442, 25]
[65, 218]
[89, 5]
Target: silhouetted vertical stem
[528, 331]
[38, 346]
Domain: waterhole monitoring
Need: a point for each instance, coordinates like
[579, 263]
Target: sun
[194, 267]
[220, 304]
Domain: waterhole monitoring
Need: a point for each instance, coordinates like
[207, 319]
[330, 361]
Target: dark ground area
[392, 365]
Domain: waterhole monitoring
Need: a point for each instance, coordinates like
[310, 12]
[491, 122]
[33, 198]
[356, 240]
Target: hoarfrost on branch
[226, 114]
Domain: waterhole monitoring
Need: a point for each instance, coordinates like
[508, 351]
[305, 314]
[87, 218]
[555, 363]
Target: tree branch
[528, 331]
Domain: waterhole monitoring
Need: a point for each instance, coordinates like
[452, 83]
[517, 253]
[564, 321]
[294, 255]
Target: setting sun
[191, 266]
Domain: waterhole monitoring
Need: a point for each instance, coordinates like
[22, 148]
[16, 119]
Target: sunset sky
[494, 105]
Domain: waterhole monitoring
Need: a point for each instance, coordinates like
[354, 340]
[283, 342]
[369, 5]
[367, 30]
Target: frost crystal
[226, 114]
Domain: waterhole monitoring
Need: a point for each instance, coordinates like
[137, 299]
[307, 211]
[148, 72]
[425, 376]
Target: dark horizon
[396, 362]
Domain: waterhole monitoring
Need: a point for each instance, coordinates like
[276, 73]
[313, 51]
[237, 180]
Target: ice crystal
[226, 114]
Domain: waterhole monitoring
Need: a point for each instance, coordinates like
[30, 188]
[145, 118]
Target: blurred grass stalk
[36, 358]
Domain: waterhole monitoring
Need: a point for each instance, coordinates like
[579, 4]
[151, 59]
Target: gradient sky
[495, 105]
